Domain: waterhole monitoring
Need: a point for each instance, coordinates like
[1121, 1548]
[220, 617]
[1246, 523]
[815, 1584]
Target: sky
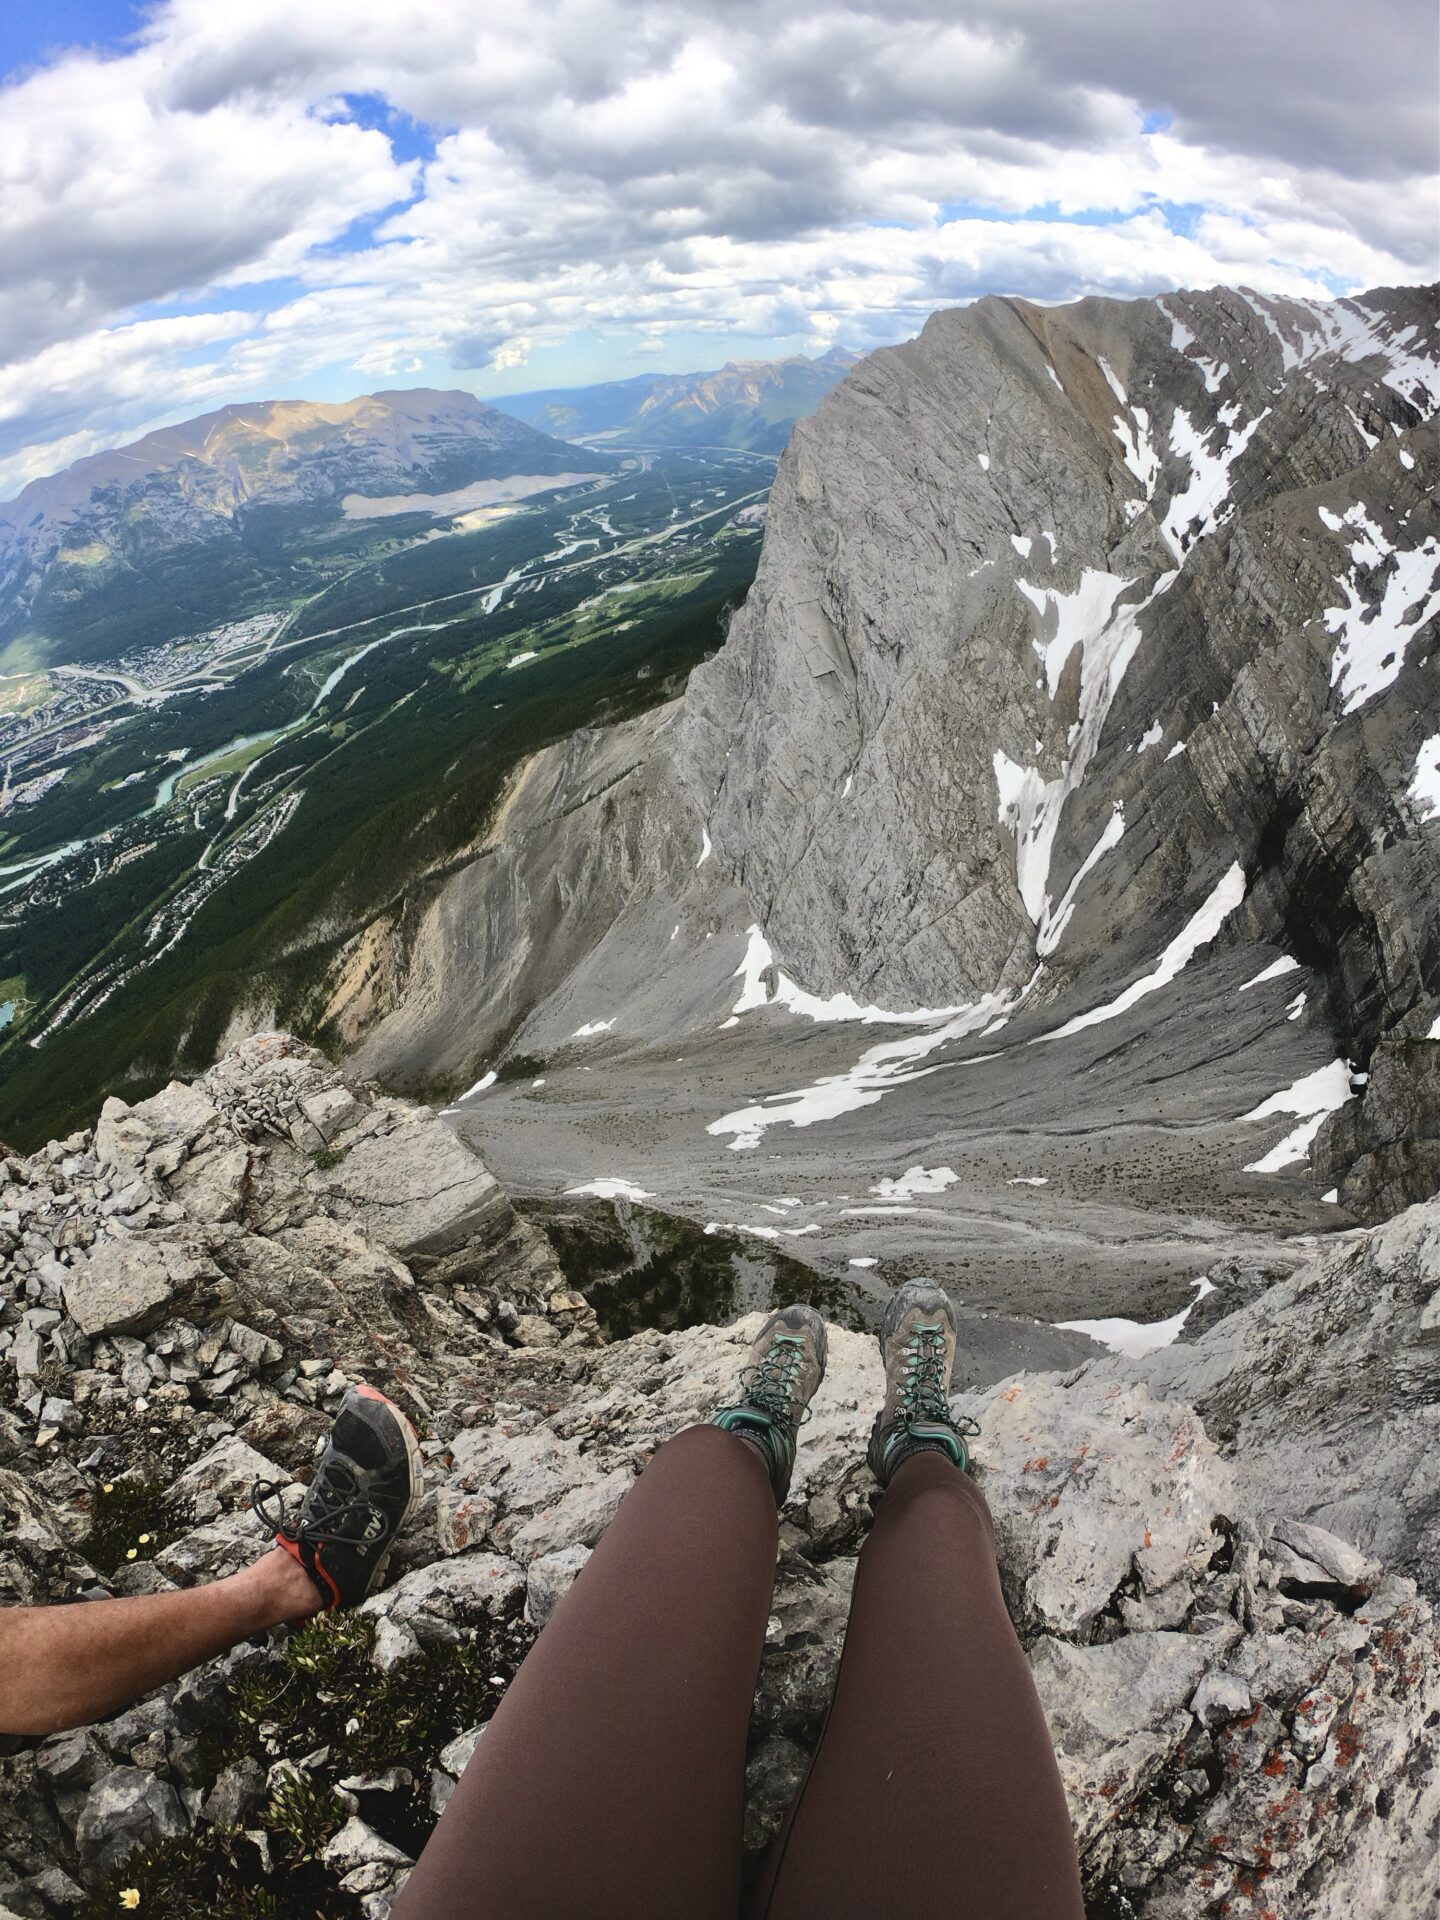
[203, 203]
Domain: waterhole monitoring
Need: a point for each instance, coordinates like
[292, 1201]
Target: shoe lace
[773, 1385]
[338, 1513]
[925, 1384]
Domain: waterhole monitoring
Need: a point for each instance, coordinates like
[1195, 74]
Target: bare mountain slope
[1083, 639]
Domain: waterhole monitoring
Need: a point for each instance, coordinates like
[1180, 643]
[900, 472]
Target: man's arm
[65, 1666]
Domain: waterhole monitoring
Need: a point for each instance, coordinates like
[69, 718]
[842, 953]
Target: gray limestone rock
[548, 1578]
[128, 1285]
[128, 1808]
[237, 1792]
[417, 1190]
[228, 1470]
[1328, 1387]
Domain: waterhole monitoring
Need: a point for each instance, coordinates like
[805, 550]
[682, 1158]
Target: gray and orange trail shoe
[917, 1343]
[787, 1364]
[365, 1489]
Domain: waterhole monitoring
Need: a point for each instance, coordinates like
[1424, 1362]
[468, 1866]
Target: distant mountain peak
[748, 404]
[199, 483]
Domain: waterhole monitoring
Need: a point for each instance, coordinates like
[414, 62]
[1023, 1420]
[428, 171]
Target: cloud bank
[350, 193]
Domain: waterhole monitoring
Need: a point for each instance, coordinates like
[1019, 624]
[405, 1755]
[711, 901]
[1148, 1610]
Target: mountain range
[200, 521]
[747, 403]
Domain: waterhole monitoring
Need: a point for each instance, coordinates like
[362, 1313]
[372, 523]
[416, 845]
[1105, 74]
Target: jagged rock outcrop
[1062, 615]
[1206, 1552]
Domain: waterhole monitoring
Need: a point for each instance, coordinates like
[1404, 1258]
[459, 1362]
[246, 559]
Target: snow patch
[1151, 737]
[1275, 971]
[592, 1027]
[984, 460]
[916, 1181]
[1425, 780]
[705, 849]
[1022, 544]
[760, 959]
[1206, 499]
[1029, 1180]
[1198, 932]
[485, 1080]
[866, 1261]
[1312, 1099]
[612, 1189]
[877, 1072]
[1136, 1337]
[1109, 635]
[1371, 639]
[1054, 924]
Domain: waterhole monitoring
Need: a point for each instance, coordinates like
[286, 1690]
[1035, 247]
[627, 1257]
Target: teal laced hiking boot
[917, 1343]
[787, 1364]
[364, 1490]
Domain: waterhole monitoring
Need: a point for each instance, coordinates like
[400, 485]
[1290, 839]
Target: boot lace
[338, 1514]
[925, 1384]
[773, 1385]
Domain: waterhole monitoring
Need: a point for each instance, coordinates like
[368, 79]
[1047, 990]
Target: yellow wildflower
[144, 1539]
[109, 1487]
[130, 1555]
[130, 1898]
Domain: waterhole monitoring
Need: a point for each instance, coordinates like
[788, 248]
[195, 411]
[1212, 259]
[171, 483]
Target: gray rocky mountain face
[1068, 622]
[1220, 1557]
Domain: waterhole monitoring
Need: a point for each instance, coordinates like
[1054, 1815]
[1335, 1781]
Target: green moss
[128, 1522]
[328, 1157]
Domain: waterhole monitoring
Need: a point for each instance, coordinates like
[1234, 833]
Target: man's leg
[66, 1666]
[934, 1789]
[610, 1783]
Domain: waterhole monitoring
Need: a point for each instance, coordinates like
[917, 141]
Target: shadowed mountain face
[1086, 644]
[193, 522]
[748, 403]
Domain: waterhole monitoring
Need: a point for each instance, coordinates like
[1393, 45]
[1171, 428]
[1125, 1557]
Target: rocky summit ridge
[1221, 1558]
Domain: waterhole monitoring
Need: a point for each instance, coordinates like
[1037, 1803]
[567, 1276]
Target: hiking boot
[365, 1489]
[917, 1343]
[787, 1364]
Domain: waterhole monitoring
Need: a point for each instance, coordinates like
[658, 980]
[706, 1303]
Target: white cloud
[642, 167]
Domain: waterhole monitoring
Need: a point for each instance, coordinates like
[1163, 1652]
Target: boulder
[228, 1470]
[126, 1809]
[129, 1284]
[417, 1189]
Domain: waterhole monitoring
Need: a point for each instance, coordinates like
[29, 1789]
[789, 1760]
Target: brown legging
[610, 1783]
